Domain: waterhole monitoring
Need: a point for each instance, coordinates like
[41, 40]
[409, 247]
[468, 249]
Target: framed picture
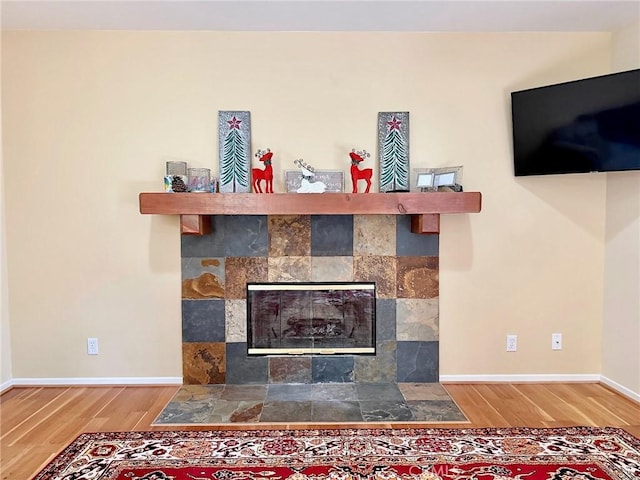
[332, 179]
[433, 179]
[234, 139]
[393, 151]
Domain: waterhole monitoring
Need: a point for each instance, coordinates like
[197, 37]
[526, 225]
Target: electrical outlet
[92, 346]
[512, 343]
[556, 341]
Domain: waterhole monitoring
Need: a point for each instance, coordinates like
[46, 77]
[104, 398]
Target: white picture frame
[333, 180]
[433, 179]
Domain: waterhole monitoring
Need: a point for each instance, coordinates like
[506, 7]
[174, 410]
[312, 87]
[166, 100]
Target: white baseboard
[32, 382]
[6, 385]
[621, 389]
[534, 378]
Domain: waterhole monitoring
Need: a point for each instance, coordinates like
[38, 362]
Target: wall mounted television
[589, 125]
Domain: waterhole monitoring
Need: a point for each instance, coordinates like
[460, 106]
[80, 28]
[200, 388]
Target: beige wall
[621, 319]
[91, 117]
[5, 337]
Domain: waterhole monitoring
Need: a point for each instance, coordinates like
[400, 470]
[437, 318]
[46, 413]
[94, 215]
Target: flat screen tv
[589, 125]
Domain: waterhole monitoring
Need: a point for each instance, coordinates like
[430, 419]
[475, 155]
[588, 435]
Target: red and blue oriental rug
[576, 453]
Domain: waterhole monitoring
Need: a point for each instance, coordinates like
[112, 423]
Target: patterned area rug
[577, 453]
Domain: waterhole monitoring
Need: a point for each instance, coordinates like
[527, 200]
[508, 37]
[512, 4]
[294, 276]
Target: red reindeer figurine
[356, 173]
[266, 174]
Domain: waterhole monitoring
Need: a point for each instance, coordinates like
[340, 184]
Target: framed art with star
[393, 151]
[234, 140]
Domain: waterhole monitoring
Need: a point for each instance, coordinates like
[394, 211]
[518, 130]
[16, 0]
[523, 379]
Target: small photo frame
[434, 179]
[424, 180]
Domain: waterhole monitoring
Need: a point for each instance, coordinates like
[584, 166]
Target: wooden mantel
[195, 208]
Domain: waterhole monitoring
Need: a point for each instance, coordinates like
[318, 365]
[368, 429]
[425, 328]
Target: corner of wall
[5, 336]
[621, 312]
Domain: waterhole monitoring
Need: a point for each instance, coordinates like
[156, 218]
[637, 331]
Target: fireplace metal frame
[311, 286]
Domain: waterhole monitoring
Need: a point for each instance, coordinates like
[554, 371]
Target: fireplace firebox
[311, 318]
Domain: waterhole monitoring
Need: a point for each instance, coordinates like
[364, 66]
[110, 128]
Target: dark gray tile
[385, 319]
[203, 321]
[211, 245]
[336, 411]
[242, 369]
[414, 244]
[379, 392]
[289, 392]
[286, 412]
[332, 369]
[418, 362]
[231, 236]
[385, 411]
[436, 411]
[331, 235]
[246, 235]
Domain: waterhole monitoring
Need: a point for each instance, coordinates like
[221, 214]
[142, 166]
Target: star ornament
[234, 123]
[394, 124]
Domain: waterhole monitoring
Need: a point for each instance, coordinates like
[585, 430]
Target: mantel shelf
[195, 208]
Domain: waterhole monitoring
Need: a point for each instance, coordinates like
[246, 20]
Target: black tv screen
[589, 125]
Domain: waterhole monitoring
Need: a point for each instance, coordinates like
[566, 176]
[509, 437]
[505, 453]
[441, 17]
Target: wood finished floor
[36, 423]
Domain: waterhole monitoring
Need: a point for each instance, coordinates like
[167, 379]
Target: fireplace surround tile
[385, 319]
[332, 369]
[240, 270]
[242, 369]
[411, 244]
[203, 363]
[332, 269]
[378, 368]
[203, 320]
[407, 328]
[235, 314]
[378, 269]
[202, 277]
[374, 235]
[331, 235]
[289, 269]
[289, 370]
[417, 319]
[289, 235]
[417, 362]
[417, 277]
[245, 235]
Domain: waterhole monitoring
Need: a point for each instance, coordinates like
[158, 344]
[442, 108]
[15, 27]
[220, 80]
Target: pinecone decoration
[177, 184]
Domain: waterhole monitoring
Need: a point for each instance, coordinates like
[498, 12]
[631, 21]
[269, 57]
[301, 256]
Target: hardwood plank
[38, 422]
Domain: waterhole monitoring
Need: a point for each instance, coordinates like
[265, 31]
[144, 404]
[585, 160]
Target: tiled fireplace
[242, 249]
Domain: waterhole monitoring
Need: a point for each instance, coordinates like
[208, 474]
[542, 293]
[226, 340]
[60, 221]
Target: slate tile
[289, 235]
[417, 362]
[417, 277]
[203, 321]
[203, 363]
[414, 244]
[331, 235]
[243, 369]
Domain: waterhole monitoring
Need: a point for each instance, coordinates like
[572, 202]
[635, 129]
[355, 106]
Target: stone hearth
[309, 248]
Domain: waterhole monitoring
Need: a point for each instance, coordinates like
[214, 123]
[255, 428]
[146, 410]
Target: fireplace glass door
[311, 318]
